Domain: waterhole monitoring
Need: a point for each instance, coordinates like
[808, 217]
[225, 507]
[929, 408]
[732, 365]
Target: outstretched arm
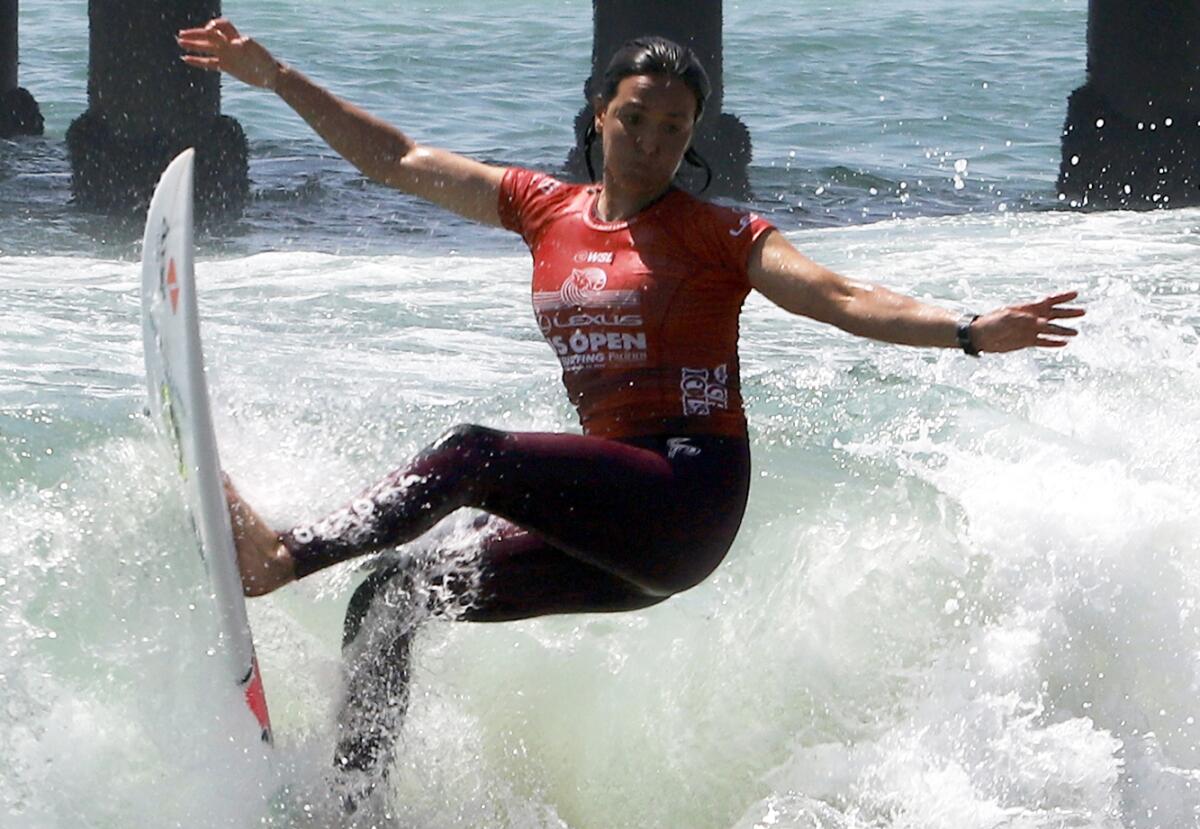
[378, 149]
[794, 282]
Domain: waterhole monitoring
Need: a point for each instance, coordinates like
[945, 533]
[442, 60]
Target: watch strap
[962, 331]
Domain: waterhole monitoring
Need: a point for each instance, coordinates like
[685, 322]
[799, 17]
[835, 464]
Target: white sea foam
[964, 595]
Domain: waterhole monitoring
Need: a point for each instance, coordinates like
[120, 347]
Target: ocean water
[965, 594]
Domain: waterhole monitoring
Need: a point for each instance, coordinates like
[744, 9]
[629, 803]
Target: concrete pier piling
[1132, 132]
[721, 138]
[145, 106]
[19, 113]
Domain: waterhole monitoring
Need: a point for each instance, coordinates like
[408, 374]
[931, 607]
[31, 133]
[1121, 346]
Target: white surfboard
[178, 404]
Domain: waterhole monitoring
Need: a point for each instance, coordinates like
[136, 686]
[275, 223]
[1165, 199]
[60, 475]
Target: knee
[678, 576]
[662, 586]
[469, 437]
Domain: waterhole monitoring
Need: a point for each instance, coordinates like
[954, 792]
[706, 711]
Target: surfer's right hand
[263, 560]
[219, 47]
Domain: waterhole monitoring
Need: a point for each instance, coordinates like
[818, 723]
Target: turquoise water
[857, 114]
[964, 594]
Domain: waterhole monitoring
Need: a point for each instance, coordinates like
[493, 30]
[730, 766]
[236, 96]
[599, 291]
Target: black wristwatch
[963, 332]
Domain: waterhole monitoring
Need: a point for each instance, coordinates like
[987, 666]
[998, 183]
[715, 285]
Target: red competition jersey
[643, 313]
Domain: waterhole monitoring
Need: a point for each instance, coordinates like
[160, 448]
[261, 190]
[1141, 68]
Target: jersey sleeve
[736, 231]
[527, 201]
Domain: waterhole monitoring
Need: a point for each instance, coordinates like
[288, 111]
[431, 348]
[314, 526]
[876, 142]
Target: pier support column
[721, 138]
[19, 113]
[1132, 133]
[145, 106]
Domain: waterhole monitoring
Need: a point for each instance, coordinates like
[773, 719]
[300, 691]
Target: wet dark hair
[651, 55]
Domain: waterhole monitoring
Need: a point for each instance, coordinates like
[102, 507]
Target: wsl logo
[595, 257]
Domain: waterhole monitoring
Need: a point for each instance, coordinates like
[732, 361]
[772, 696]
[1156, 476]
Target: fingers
[1048, 335]
[211, 64]
[1059, 299]
[200, 36]
[1051, 305]
[201, 46]
[1051, 308]
[223, 27]
[216, 25]
[197, 43]
[208, 38]
[202, 41]
[1056, 330]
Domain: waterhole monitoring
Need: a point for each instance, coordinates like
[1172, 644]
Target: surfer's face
[646, 128]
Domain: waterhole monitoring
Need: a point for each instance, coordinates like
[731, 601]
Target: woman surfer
[637, 286]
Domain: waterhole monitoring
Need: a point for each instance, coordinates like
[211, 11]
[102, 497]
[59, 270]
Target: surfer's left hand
[1026, 326]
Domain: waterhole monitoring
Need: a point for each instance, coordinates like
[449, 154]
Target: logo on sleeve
[747, 219]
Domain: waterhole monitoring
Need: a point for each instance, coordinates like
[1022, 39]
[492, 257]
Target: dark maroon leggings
[591, 525]
[597, 524]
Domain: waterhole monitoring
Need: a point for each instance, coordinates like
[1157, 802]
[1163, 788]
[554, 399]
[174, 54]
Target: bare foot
[264, 562]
